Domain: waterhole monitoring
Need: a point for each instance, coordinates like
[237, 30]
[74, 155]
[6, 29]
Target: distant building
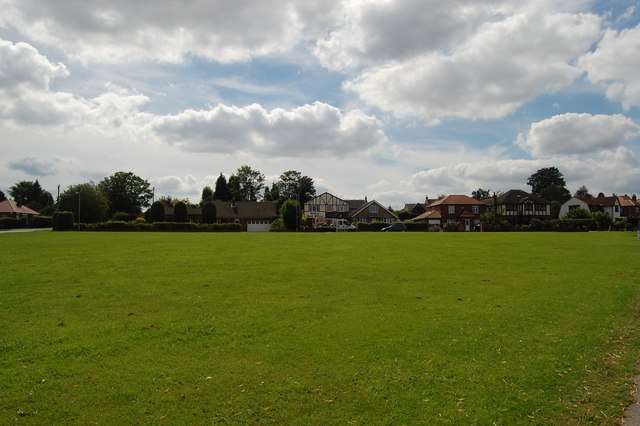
[10, 208]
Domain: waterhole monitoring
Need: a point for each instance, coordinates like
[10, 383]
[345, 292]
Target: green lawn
[413, 328]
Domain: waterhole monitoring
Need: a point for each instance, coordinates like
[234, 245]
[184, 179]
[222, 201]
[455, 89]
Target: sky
[391, 100]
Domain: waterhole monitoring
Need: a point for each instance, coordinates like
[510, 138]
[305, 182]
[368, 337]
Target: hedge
[160, 227]
[371, 226]
[42, 222]
[62, 221]
[13, 223]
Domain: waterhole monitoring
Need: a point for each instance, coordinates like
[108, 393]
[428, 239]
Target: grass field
[410, 328]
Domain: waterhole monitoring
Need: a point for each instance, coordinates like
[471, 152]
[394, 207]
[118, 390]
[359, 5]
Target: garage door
[258, 226]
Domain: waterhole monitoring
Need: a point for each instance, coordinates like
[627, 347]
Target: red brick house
[10, 208]
[456, 209]
[629, 206]
[373, 211]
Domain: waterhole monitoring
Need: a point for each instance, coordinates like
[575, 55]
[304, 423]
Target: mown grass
[410, 328]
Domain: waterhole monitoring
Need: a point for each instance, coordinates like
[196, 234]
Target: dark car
[396, 227]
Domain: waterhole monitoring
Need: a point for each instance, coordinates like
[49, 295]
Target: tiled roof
[10, 206]
[433, 214]
[626, 201]
[517, 196]
[599, 201]
[457, 200]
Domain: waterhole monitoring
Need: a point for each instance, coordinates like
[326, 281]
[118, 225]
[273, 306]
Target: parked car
[335, 225]
[396, 227]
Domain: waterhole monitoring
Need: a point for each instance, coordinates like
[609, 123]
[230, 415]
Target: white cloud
[578, 134]
[315, 129]
[504, 64]
[123, 31]
[369, 33]
[26, 97]
[614, 65]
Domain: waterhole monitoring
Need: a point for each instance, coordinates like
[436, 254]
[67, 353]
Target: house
[455, 209]
[519, 207]
[10, 208]
[609, 205]
[629, 206]
[326, 206]
[372, 211]
[252, 216]
[432, 217]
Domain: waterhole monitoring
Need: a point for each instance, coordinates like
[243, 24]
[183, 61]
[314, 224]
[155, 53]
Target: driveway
[9, 231]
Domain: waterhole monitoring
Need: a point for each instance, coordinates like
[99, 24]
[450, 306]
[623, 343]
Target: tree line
[125, 194]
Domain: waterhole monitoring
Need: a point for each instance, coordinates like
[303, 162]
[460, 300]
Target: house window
[475, 209]
[511, 207]
[528, 207]
[315, 208]
[451, 221]
[617, 208]
[540, 208]
[373, 208]
[452, 209]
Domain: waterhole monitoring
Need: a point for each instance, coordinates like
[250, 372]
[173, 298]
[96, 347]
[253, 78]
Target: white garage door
[258, 225]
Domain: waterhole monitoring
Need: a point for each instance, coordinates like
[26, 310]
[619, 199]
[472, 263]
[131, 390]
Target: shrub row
[21, 223]
[13, 223]
[160, 226]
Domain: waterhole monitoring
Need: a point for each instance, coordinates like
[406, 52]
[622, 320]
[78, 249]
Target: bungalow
[10, 208]
[609, 205]
[373, 211]
[519, 207]
[455, 209]
[251, 215]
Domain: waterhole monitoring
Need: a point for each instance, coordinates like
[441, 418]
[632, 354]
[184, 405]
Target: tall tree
[235, 191]
[481, 194]
[31, 194]
[2, 196]
[221, 192]
[207, 195]
[293, 186]
[126, 192]
[291, 215]
[249, 184]
[583, 192]
[85, 201]
[545, 177]
[549, 183]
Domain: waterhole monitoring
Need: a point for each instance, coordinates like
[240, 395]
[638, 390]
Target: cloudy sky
[393, 100]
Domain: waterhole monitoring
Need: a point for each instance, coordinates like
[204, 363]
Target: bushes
[180, 212]
[208, 212]
[62, 221]
[155, 212]
[277, 225]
